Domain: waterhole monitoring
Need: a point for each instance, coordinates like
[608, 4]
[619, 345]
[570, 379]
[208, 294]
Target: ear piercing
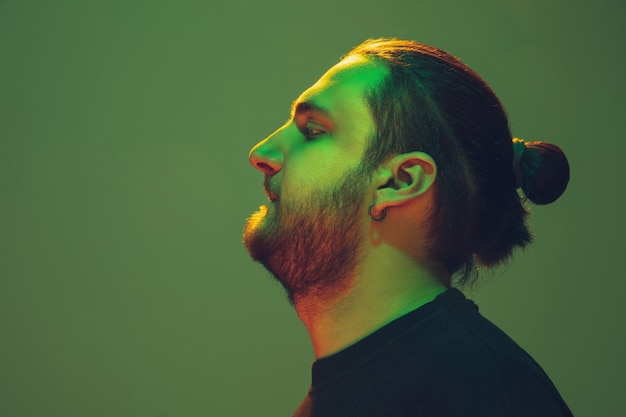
[382, 213]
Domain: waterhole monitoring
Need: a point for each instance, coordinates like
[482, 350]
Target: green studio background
[124, 185]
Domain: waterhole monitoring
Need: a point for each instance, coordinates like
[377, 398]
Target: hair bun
[545, 172]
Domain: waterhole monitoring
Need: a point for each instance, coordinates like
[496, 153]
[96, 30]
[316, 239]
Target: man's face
[309, 235]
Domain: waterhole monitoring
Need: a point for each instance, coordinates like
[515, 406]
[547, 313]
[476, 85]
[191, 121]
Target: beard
[312, 246]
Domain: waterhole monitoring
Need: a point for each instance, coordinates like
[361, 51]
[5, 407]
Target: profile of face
[310, 234]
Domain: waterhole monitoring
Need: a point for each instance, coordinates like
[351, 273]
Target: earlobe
[405, 177]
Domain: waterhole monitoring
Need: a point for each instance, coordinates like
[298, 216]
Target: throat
[336, 324]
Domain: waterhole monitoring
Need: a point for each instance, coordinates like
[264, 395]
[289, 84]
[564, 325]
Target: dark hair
[432, 102]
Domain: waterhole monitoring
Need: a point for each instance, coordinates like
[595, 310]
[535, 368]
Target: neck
[379, 294]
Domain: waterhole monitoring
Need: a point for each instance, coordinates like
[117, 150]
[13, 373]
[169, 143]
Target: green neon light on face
[315, 179]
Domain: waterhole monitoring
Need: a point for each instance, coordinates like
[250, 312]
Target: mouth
[268, 190]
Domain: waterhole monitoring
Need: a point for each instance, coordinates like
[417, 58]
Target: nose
[266, 157]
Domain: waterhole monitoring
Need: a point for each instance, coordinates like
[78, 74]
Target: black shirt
[442, 359]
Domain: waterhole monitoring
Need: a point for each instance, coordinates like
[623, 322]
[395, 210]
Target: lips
[269, 190]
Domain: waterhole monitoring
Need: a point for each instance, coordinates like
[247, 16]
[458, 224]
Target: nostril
[265, 167]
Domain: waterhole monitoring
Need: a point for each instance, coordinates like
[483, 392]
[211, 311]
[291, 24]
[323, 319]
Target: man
[395, 177]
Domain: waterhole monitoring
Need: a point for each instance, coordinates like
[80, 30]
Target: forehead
[341, 89]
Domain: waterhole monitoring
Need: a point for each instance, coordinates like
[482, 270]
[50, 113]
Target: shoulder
[473, 368]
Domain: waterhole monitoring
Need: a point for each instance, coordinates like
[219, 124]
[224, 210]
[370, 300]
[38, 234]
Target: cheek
[316, 166]
[302, 182]
[316, 175]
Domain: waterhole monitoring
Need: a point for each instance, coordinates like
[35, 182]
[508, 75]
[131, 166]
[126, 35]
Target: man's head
[417, 121]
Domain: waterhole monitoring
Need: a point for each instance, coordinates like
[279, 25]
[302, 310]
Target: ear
[403, 178]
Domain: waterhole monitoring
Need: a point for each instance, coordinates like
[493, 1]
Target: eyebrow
[309, 107]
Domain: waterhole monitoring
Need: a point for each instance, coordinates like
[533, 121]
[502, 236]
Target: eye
[311, 133]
